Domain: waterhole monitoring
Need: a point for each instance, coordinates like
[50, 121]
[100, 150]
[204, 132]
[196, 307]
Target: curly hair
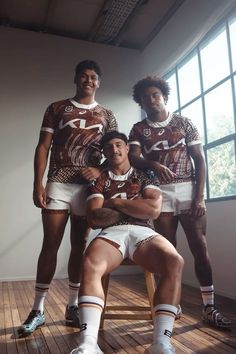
[88, 64]
[150, 81]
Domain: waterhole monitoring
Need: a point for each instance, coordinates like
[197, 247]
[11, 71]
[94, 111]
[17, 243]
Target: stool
[139, 310]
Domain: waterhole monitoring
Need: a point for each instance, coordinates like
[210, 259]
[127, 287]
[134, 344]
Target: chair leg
[105, 285]
[151, 287]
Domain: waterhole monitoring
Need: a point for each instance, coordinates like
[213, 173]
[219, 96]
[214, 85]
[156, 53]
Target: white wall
[37, 69]
[182, 32]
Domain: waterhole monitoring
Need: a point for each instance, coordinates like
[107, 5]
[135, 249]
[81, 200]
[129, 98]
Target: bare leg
[100, 258]
[195, 230]
[159, 256]
[166, 225]
[54, 226]
[78, 237]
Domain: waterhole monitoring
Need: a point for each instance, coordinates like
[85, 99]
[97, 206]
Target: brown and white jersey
[167, 142]
[77, 131]
[128, 186]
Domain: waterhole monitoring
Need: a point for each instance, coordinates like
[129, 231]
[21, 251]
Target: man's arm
[40, 164]
[100, 217]
[149, 207]
[197, 154]
[164, 174]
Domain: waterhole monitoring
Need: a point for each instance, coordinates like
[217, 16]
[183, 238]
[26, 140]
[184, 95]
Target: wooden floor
[119, 336]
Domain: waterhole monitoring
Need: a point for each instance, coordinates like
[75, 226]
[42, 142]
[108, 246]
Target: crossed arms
[103, 213]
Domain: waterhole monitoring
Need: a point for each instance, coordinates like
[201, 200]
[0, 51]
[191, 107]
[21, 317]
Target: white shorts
[177, 197]
[127, 237]
[67, 196]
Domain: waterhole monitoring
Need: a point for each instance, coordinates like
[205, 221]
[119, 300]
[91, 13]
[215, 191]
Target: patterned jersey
[77, 130]
[128, 186]
[167, 142]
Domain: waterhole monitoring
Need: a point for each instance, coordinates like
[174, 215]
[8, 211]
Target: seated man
[121, 202]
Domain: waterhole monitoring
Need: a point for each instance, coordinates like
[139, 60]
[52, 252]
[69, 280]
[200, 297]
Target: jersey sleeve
[95, 190]
[192, 134]
[48, 124]
[134, 136]
[112, 122]
[150, 183]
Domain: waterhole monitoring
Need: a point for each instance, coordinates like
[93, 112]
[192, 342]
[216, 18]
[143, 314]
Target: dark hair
[88, 64]
[150, 81]
[113, 135]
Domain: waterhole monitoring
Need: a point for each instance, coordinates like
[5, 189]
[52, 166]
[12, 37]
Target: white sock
[73, 294]
[90, 310]
[41, 291]
[208, 295]
[163, 322]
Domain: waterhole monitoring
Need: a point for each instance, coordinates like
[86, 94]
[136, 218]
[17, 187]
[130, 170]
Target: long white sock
[90, 310]
[41, 291]
[73, 294]
[208, 295]
[163, 322]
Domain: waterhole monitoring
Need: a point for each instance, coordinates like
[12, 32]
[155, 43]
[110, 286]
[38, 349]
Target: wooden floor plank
[118, 336]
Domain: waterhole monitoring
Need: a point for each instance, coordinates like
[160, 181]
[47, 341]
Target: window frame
[196, 50]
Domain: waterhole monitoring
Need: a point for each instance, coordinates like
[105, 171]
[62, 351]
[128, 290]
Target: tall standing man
[72, 130]
[168, 142]
[121, 202]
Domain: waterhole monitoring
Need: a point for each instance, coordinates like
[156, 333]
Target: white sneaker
[160, 348]
[86, 349]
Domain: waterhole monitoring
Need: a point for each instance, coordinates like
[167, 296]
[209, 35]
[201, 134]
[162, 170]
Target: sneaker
[179, 312]
[35, 320]
[83, 349]
[160, 348]
[72, 316]
[214, 318]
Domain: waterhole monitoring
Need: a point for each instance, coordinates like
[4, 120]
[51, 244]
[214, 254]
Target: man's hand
[198, 207]
[90, 173]
[39, 197]
[164, 174]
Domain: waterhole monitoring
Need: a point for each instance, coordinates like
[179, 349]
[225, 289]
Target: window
[203, 88]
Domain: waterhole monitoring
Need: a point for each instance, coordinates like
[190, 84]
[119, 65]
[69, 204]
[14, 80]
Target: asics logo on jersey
[80, 123]
[162, 131]
[121, 185]
[163, 145]
[82, 112]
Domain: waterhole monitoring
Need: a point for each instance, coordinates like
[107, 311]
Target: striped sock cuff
[74, 286]
[39, 287]
[91, 301]
[165, 309]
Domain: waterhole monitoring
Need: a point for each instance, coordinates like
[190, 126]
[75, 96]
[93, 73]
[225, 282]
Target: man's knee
[174, 263]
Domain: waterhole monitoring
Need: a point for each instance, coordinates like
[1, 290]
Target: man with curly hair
[168, 143]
